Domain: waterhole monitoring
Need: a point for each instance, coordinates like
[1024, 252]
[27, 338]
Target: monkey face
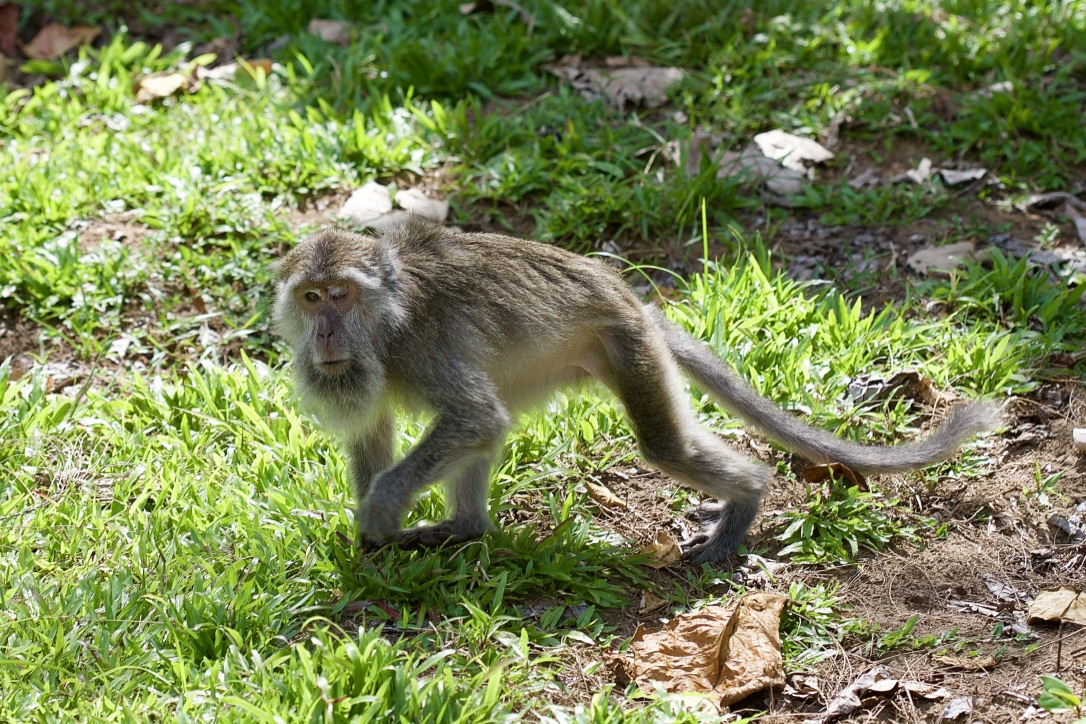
[329, 305]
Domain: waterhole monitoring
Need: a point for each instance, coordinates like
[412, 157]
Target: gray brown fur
[475, 327]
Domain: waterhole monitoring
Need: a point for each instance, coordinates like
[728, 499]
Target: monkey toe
[706, 513]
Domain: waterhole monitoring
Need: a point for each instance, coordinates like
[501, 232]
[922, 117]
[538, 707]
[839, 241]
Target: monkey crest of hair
[473, 328]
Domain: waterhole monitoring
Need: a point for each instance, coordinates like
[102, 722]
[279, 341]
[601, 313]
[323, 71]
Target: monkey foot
[706, 513]
[431, 536]
[703, 549]
[697, 550]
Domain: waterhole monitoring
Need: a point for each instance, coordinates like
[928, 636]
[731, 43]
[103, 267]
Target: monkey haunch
[474, 327]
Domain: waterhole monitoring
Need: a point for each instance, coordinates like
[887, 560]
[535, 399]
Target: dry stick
[1059, 646]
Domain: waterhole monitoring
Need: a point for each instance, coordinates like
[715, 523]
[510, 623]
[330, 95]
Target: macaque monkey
[475, 327]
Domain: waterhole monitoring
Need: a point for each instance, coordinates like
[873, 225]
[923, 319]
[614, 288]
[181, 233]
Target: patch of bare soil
[18, 340]
[312, 213]
[1006, 540]
[123, 228]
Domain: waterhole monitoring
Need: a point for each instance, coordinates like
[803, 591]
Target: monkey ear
[275, 266]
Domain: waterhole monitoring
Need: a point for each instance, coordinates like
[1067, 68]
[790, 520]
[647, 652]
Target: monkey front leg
[452, 446]
[370, 451]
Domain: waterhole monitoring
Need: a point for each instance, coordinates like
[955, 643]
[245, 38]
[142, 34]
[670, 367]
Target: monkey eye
[338, 292]
[311, 296]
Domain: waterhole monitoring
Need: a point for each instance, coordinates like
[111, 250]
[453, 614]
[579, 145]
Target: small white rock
[367, 204]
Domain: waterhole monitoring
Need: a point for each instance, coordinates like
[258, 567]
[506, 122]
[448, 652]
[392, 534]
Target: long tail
[817, 445]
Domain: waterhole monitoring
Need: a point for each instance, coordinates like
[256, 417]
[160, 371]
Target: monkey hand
[377, 523]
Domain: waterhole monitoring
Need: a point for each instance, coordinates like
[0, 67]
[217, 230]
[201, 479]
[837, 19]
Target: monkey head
[337, 303]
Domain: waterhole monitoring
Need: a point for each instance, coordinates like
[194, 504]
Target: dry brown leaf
[802, 686]
[333, 31]
[160, 85]
[603, 496]
[883, 686]
[848, 700]
[727, 653]
[54, 40]
[833, 471]
[962, 706]
[925, 691]
[664, 551]
[938, 260]
[9, 25]
[1062, 604]
[966, 663]
[650, 603]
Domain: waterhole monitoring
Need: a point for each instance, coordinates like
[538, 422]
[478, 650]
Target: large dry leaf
[726, 653]
[55, 40]
[794, 152]
[9, 24]
[1062, 604]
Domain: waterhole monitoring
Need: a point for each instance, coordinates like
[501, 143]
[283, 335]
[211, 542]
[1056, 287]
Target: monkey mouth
[333, 366]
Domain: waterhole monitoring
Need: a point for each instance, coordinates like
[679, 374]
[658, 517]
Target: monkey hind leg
[730, 526]
[644, 376]
[467, 493]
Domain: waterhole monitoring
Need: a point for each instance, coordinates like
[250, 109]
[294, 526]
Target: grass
[172, 533]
